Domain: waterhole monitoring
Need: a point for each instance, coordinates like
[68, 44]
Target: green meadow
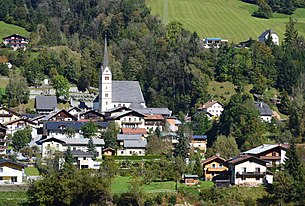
[227, 19]
[8, 29]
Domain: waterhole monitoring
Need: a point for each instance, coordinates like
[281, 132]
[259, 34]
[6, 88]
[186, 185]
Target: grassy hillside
[8, 29]
[228, 19]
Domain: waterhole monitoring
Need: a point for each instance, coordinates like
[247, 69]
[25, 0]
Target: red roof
[154, 117]
[134, 131]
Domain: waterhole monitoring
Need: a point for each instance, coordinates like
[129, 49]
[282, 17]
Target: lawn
[121, 184]
[31, 171]
[12, 198]
[8, 29]
[228, 19]
[3, 81]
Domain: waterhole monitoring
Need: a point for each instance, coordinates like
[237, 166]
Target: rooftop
[129, 137]
[75, 125]
[134, 131]
[74, 141]
[264, 148]
[263, 108]
[135, 143]
[45, 102]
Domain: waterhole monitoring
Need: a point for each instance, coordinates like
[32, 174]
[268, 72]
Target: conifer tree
[291, 33]
[68, 156]
[91, 148]
[198, 167]
[292, 163]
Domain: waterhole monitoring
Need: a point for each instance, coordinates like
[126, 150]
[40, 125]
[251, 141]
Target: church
[116, 93]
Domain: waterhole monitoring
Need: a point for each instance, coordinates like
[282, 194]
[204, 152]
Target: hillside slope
[228, 19]
[8, 29]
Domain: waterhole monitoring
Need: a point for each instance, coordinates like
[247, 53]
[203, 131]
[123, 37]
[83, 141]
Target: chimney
[261, 104]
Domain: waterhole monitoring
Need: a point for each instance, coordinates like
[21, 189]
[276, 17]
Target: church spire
[105, 63]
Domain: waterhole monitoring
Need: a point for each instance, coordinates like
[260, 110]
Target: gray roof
[151, 110]
[127, 92]
[263, 108]
[129, 137]
[190, 176]
[74, 141]
[79, 153]
[125, 113]
[74, 125]
[265, 33]
[135, 143]
[45, 102]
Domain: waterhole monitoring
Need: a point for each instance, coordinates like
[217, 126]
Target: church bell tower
[105, 83]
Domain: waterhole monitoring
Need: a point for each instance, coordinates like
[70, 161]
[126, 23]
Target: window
[257, 169]
[106, 78]
[1, 169]
[130, 152]
[140, 152]
[106, 103]
[122, 152]
[274, 154]
[84, 158]
[49, 145]
[213, 165]
[243, 169]
[257, 178]
[220, 165]
[106, 94]
[243, 178]
[13, 179]
[74, 148]
[1, 178]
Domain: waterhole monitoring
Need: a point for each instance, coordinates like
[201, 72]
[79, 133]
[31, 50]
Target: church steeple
[105, 83]
[105, 63]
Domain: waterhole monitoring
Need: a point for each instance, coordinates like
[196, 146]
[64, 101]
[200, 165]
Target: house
[153, 121]
[265, 35]
[15, 41]
[84, 160]
[52, 144]
[45, 104]
[248, 170]
[264, 110]
[122, 137]
[91, 115]
[214, 42]
[140, 131]
[212, 108]
[59, 129]
[132, 147]
[199, 142]
[11, 172]
[172, 124]
[108, 151]
[129, 119]
[20, 124]
[191, 180]
[3, 140]
[274, 154]
[59, 116]
[214, 168]
[116, 93]
[7, 115]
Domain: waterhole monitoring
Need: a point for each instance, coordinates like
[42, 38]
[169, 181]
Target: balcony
[131, 122]
[270, 157]
[250, 174]
[215, 169]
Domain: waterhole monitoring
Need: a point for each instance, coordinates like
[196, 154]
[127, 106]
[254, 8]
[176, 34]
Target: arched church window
[107, 78]
[106, 95]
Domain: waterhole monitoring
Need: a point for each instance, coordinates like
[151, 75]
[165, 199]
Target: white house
[264, 110]
[83, 160]
[20, 124]
[129, 118]
[15, 41]
[7, 115]
[51, 145]
[131, 144]
[212, 108]
[248, 170]
[265, 35]
[11, 172]
[274, 154]
[214, 42]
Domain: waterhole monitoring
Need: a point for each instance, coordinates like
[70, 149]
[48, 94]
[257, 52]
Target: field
[8, 29]
[227, 19]
[12, 198]
[121, 184]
